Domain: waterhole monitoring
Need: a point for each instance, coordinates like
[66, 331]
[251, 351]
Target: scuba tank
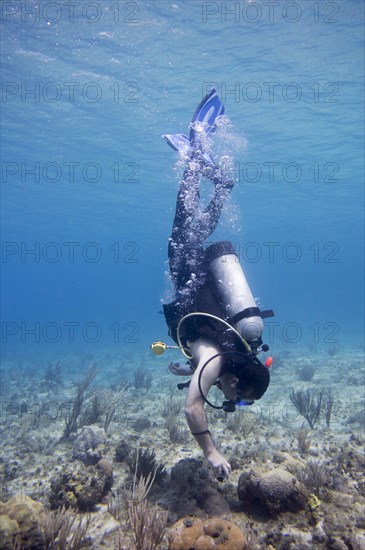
[234, 292]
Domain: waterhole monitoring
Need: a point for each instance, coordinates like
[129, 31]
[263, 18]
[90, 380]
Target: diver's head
[244, 380]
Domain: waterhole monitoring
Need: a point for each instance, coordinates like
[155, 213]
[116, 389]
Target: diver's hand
[221, 467]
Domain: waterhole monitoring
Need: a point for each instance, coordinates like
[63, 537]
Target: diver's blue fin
[203, 122]
[179, 142]
[206, 113]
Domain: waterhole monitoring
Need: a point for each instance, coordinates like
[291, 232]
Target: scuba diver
[214, 319]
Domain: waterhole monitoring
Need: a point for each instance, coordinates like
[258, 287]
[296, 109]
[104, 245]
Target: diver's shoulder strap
[251, 312]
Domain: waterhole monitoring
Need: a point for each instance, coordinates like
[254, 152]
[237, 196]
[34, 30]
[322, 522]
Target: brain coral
[21, 524]
[276, 490]
[213, 534]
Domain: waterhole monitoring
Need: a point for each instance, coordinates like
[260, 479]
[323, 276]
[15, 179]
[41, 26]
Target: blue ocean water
[89, 187]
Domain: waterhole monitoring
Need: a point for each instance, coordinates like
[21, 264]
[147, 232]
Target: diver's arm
[194, 409]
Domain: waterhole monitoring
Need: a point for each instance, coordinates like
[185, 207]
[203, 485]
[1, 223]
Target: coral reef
[25, 524]
[22, 524]
[147, 523]
[81, 487]
[89, 444]
[196, 487]
[214, 533]
[177, 433]
[141, 423]
[274, 491]
[303, 439]
[143, 463]
[12, 469]
[327, 462]
[72, 417]
[308, 403]
[184, 533]
[122, 450]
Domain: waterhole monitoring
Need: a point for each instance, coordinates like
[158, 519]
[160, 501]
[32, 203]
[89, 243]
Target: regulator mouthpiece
[158, 347]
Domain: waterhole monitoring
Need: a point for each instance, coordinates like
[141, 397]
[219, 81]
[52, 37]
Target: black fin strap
[251, 312]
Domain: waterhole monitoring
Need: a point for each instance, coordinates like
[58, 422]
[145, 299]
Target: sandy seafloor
[32, 453]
